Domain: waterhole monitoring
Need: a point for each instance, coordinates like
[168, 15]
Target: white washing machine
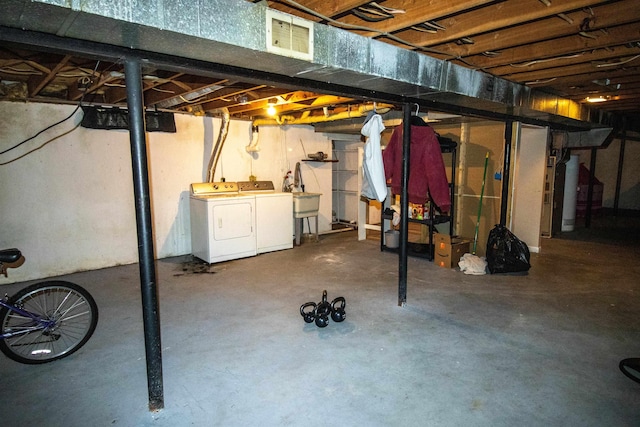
[223, 222]
[274, 215]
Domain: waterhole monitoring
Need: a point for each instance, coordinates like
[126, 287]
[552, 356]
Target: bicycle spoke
[65, 316]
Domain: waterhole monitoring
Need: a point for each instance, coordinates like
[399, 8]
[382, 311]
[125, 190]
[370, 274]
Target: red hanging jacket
[427, 174]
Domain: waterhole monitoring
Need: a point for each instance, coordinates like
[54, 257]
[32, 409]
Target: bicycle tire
[631, 368]
[71, 307]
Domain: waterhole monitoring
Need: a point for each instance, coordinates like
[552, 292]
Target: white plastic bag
[471, 264]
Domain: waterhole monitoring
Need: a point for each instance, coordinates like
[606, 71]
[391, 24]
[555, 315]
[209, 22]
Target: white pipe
[254, 145]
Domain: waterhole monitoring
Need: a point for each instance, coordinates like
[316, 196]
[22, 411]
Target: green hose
[484, 177]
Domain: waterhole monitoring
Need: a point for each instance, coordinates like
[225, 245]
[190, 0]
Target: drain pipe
[217, 149]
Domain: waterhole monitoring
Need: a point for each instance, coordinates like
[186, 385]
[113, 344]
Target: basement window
[289, 36]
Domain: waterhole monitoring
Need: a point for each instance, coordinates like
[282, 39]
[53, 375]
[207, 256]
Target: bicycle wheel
[73, 314]
[631, 368]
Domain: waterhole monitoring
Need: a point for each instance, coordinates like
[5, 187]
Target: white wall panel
[69, 205]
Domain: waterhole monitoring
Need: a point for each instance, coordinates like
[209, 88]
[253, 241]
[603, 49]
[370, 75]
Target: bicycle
[45, 321]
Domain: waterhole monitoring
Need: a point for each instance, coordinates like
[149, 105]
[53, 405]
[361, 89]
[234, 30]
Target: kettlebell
[323, 310]
[308, 315]
[338, 313]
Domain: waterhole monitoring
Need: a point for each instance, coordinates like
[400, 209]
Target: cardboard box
[449, 250]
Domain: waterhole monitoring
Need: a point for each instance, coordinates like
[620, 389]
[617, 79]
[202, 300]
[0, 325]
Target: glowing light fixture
[271, 109]
[597, 99]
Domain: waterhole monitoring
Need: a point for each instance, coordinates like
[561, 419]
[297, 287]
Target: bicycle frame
[44, 321]
[40, 324]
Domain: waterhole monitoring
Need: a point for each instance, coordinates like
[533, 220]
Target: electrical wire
[541, 82]
[42, 145]
[18, 71]
[540, 61]
[75, 110]
[42, 131]
[614, 64]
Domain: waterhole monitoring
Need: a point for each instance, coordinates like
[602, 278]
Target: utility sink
[306, 204]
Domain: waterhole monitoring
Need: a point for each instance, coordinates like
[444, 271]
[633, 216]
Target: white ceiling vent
[289, 36]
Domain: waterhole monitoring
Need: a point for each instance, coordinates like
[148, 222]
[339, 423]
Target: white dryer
[274, 215]
[223, 222]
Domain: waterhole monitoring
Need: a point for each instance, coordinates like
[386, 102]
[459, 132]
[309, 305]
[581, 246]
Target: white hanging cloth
[374, 184]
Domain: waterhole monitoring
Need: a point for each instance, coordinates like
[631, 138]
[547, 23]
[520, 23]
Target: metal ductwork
[583, 139]
[217, 148]
[234, 33]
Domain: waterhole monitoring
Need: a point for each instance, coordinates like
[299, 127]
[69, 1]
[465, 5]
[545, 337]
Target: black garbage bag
[505, 252]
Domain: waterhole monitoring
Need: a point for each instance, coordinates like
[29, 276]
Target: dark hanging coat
[427, 173]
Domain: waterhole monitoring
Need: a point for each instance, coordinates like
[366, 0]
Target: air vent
[289, 36]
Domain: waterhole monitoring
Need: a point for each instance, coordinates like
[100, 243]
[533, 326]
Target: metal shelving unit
[346, 185]
[425, 250]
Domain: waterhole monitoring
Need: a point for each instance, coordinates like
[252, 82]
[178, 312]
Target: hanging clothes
[427, 173]
[374, 183]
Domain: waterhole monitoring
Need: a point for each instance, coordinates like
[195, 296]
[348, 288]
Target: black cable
[42, 145]
[43, 130]
[53, 125]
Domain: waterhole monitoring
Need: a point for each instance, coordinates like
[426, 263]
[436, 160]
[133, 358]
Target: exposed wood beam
[492, 18]
[36, 83]
[330, 8]
[586, 57]
[416, 12]
[119, 94]
[549, 28]
[559, 47]
[553, 73]
[179, 89]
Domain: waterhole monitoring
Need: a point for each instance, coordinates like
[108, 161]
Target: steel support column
[506, 170]
[404, 205]
[592, 178]
[623, 142]
[150, 311]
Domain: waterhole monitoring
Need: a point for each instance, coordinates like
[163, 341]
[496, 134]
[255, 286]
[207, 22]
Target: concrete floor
[541, 349]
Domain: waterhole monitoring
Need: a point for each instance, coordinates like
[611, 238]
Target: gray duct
[217, 149]
[236, 31]
[590, 138]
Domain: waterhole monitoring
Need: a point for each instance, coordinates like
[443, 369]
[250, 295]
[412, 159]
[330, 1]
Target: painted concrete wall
[476, 140]
[69, 205]
[607, 169]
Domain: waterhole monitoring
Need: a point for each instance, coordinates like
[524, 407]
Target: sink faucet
[287, 184]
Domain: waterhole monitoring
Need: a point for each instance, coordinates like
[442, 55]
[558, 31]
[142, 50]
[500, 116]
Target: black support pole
[592, 178]
[404, 205]
[506, 170]
[150, 310]
[623, 141]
